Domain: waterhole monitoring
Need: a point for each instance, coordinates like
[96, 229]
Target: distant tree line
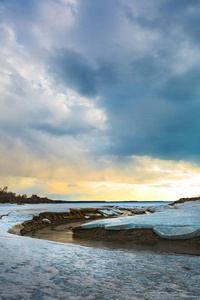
[10, 197]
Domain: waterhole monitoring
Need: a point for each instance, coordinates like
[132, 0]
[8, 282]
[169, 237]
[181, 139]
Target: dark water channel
[63, 234]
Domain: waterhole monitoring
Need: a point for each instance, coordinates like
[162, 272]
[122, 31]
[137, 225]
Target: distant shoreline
[86, 201]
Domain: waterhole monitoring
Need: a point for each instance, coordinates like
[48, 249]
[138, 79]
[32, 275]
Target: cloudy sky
[100, 99]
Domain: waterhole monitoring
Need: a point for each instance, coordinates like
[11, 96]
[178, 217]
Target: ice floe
[181, 221]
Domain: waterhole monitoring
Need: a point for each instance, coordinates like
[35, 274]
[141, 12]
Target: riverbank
[71, 216]
[138, 240]
[41, 269]
[74, 227]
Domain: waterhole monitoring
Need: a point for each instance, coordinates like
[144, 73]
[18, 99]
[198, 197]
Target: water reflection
[64, 235]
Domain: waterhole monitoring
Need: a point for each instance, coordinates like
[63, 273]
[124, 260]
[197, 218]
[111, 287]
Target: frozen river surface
[38, 269]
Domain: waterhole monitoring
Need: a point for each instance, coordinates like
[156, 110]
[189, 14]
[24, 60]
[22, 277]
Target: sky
[100, 100]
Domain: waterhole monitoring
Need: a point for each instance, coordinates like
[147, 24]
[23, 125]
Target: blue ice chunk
[177, 232]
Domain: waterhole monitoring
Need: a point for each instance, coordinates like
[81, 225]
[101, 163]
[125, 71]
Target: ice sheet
[181, 221]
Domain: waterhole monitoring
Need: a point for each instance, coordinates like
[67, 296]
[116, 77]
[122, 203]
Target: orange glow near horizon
[145, 180]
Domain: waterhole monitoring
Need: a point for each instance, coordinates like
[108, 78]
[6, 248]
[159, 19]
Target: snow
[181, 221]
[17, 214]
[45, 270]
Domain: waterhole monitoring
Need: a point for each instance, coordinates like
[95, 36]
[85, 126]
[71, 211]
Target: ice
[38, 269]
[117, 211]
[181, 221]
[177, 232]
[13, 214]
[109, 212]
[46, 220]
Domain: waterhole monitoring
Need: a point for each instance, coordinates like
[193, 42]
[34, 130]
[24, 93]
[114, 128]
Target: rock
[137, 211]
[182, 200]
[55, 218]
[16, 229]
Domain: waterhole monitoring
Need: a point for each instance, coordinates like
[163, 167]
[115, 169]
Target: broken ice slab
[177, 232]
[127, 226]
[181, 222]
[110, 212]
[46, 220]
[105, 212]
[94, 215]
[120, 226]
[116, 211]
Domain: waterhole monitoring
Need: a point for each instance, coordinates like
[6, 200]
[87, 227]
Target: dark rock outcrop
[182, 200]
[55, 218]
[142, 235]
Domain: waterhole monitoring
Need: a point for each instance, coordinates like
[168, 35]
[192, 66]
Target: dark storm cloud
[97, 22]
[164, 125]
[73, 71]
[160, 128]
[168, 17]
[155, 110]
[149, 69]
[138, 61]
[173, 7]
[183, 14]
[183, 87]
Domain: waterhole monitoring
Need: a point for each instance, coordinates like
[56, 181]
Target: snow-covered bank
[37, 269]
[180, 221]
